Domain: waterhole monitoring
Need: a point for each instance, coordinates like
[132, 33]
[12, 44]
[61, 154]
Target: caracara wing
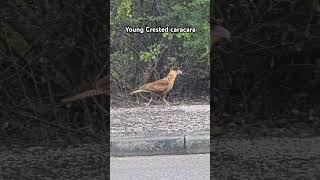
[158, 86]
[103, 83]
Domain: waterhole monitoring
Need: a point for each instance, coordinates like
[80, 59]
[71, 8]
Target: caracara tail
[139, 90]
[85, 94]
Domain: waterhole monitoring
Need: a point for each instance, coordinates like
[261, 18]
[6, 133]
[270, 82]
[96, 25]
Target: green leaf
[14, 39]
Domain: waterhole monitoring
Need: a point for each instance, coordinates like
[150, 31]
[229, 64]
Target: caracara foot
[166, 102]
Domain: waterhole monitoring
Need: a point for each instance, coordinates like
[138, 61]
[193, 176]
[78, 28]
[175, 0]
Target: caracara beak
[179, 72]
[221, 32]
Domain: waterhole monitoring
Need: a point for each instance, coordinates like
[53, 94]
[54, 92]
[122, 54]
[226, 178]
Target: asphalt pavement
[169, 167]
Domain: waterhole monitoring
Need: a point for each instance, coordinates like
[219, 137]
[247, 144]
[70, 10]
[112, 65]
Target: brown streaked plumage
[162, 86]
[100, 87]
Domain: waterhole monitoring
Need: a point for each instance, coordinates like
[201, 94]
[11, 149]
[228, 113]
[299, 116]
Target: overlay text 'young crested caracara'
[162, 86]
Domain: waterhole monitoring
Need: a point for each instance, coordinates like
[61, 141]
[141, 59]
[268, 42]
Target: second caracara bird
[162, 86]
[100, 87]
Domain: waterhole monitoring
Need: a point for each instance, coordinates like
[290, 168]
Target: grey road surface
[175, 167]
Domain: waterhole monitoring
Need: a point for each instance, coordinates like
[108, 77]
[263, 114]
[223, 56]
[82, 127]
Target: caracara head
[177, 70]
[218, 31]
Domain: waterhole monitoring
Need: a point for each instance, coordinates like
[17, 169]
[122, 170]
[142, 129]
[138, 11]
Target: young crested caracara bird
[162, 86]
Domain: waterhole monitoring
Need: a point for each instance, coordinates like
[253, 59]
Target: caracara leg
[164, 99]
[143, 96]
[149, 101]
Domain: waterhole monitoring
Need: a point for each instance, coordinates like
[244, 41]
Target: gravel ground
[160, 120]
[88, 161]
[266, 158]
[238, 159]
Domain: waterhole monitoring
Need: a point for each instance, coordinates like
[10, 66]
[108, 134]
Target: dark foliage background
[268, 77]
[47, 49]
[141, 58]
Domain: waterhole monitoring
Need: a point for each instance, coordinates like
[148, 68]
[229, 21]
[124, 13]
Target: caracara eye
[175, 68]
